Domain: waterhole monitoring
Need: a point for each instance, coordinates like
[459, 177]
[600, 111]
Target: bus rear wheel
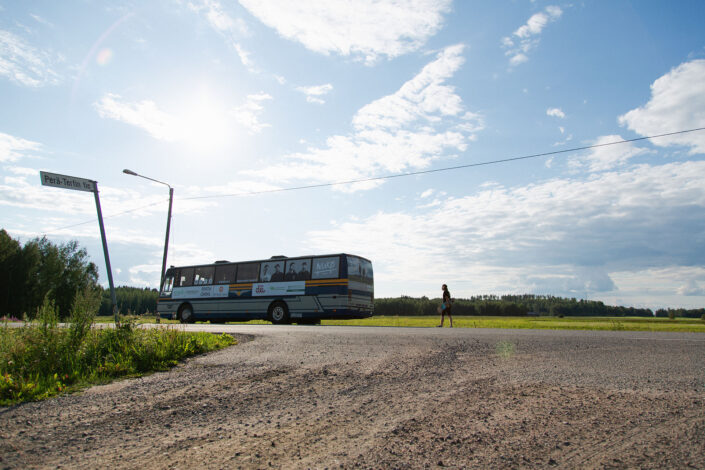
[186, 314]
[279, 313]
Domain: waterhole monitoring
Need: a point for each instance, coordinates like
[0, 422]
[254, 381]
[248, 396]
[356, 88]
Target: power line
[398, 175]
[437, 170]
[104, 217]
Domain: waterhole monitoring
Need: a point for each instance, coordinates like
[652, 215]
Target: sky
[230, 102]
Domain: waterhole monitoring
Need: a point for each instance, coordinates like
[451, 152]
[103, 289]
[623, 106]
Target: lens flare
[104, 56]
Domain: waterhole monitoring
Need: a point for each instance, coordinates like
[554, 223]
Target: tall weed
[42, 359]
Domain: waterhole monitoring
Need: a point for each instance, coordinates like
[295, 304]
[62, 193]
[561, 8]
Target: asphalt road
[376, 397]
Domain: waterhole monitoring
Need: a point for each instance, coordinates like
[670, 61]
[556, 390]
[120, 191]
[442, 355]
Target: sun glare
[205, 124]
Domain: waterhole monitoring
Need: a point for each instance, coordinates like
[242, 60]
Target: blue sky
[220, 98]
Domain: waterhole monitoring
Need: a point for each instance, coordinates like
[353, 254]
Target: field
[694, 325]
[545, 323]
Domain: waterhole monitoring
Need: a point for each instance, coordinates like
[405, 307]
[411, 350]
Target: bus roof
[273, 258]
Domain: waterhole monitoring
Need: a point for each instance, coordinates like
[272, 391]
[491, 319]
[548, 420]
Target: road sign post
[82, 184]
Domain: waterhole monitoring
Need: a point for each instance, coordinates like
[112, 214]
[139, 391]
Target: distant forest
[520, 305]
[130, 301]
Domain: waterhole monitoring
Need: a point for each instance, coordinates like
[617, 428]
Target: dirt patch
[314, 399]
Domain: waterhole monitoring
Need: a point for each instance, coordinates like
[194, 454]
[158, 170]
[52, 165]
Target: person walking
[445, 306]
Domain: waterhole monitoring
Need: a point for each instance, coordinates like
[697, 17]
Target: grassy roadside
[693, 325]
[546, 323]
[40, 359]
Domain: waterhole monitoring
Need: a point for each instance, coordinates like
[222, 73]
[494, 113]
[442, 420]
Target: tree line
[130, 301]
[42, 269]
[521, 305]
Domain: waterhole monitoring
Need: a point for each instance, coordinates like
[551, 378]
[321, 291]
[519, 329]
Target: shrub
[41, 359]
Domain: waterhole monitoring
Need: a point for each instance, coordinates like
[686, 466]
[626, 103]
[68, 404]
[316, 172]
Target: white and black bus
[305, 289]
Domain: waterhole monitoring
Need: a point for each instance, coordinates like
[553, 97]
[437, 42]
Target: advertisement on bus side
[278, 288]
[200, 292]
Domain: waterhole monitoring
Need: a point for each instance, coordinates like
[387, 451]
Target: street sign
[67, 182]
[90, 186]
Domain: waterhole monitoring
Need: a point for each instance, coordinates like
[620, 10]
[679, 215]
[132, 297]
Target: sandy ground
[328, 397]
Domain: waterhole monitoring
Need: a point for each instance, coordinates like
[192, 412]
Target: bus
[304, 290]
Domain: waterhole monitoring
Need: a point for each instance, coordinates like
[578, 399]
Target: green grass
[41, 359]
[549, 323]
[695, 325]
[137, 319]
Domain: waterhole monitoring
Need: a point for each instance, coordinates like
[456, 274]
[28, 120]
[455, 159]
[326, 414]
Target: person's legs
[442, 317]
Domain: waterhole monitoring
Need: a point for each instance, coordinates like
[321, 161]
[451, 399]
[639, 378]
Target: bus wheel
[186, 314]
[279, 313]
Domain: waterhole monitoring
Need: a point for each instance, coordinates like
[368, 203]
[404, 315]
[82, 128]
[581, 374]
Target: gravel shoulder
[317, 397]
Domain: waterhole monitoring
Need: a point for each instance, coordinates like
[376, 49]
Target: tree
[39, 269]
[12, 277]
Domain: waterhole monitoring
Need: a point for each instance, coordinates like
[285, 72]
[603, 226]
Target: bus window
[204, 276]
[186, 277]
[168, 284]
[325, 268]
[354, 267]
[298, 270]
[272, 271]
[359, 269]
[366, 269]
[247, 272]
[225, 273]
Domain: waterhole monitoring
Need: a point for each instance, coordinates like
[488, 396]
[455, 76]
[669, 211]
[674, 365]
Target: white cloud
[201, 121]
[517, 59]
[657, 287]
[14, 148]
[424, 97]
[24, 64]
[691, 288]
[561, 236]
[418, 124]
[247, 114]
[24, 191]
[314, 93]
[365, 29]
[525, 39]
[22, 171]
[219, 19]
[608, 156]
[232, 29]
[555, 112]
[41, 20]
[537, 22]
[143, 114]
[677, 103]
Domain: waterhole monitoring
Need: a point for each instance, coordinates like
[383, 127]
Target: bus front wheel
[186, 314]
[279, 313]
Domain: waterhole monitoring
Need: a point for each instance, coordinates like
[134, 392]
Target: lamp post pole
[168, 222]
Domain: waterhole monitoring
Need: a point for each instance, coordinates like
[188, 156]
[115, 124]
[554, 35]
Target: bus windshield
[360, 269]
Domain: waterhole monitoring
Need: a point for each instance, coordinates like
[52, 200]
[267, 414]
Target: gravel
[346, 397]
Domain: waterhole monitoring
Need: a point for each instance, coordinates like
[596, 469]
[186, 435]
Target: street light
[168, 222]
